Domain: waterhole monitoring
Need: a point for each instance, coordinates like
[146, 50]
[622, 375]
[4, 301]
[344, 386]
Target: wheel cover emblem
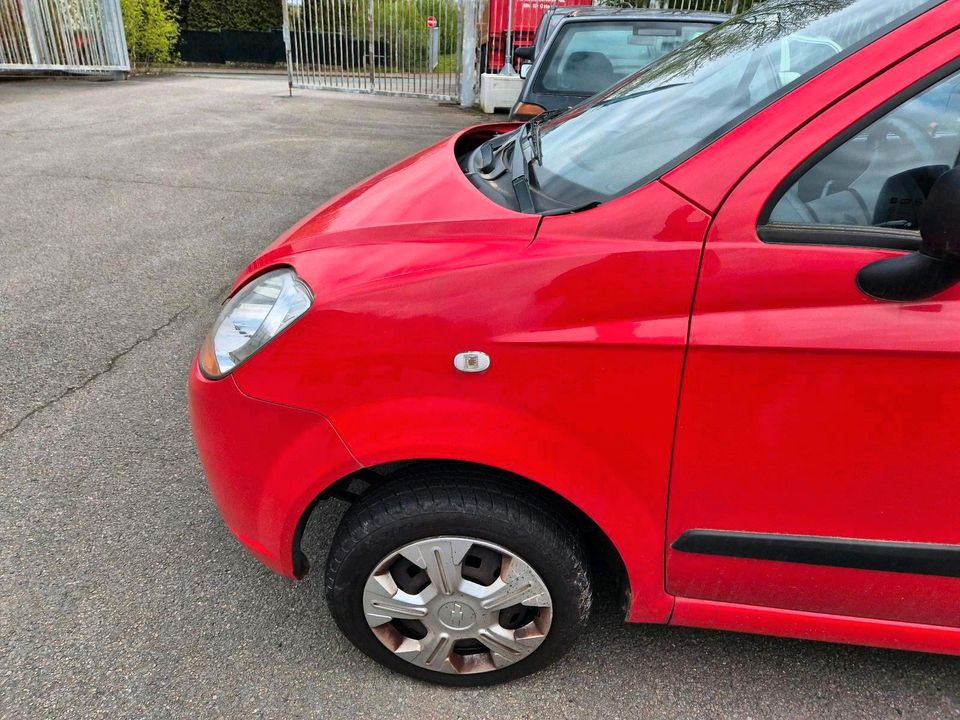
[457, 615]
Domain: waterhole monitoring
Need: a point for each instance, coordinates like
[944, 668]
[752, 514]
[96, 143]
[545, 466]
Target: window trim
[839, 235]
[866, 236]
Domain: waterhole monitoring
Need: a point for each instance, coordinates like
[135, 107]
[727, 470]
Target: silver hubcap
[457, 605]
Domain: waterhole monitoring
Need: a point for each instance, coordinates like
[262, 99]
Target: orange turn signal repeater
[525, 111]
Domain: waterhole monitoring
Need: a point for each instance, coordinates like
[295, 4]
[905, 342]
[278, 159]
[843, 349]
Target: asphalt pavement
[126, 210]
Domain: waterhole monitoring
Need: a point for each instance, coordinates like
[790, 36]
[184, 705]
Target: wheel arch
[599, 547]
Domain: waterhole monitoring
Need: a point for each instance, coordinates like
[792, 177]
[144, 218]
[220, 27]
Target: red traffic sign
[431, 22]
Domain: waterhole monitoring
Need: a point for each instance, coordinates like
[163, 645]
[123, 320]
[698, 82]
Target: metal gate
[82, 36]
[396, 47]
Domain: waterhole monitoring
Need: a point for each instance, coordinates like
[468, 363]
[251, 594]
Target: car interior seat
[587, 72]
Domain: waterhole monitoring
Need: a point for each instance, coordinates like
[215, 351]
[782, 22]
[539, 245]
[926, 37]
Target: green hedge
[151, 30]
[231, 14]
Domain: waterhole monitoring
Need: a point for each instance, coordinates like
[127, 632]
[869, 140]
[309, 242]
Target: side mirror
[525, 70]
[936, 265]
[524, 53]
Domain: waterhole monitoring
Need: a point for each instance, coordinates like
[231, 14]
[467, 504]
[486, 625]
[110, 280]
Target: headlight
[259, 312]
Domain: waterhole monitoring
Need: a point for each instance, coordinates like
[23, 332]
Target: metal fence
[82, 36]
[397, 47]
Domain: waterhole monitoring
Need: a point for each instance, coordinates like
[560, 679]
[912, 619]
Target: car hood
[405, 218]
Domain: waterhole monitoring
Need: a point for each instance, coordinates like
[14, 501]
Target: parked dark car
[592, 48]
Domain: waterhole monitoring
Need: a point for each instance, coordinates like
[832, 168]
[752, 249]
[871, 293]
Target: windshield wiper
[534, 125]
[520, 163]
[518, 173]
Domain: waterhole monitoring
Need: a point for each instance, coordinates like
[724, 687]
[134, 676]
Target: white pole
[286, 46]
[468, 54]
[507, 68]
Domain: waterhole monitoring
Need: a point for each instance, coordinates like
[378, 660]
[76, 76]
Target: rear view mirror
[935, 267]
[657, 30]
[525, 70]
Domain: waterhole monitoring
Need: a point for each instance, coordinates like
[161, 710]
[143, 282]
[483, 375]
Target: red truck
[503, 25]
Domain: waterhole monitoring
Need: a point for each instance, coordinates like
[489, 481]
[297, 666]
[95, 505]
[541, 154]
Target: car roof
[599, 12]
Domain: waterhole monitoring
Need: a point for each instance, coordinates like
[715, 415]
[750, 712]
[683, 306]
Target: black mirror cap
[940, 220]
[936, 266]
[908, 278]
[524, 53]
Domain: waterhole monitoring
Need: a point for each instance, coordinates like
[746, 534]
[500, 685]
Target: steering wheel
[911, 137]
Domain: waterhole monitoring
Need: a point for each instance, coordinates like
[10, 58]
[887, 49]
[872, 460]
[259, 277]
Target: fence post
[433, 35]
[112, 30]
[29, 12]
[371, 42]
[468, 53]
[286, 46]
[507, 68]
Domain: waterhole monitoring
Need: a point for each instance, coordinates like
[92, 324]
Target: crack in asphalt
[111, 363]
[59, 128]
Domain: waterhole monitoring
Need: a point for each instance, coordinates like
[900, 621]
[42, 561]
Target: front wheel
[457, 578]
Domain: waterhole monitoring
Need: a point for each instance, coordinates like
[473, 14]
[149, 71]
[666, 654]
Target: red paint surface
[261, 460]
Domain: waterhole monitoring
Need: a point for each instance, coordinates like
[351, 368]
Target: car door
[818, 438]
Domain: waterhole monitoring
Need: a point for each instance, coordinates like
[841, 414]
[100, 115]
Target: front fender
[626, 508]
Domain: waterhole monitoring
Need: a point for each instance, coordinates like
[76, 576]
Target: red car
[700, 335]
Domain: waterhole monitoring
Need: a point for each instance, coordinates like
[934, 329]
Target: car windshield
[629, 135]
[586, 57]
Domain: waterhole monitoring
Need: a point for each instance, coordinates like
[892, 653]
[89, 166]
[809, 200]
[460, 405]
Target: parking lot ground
[126, 210]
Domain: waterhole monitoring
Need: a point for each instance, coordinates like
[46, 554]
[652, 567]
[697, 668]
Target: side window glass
[881, 177]
[801, 53]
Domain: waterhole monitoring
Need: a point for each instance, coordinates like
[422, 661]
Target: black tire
[460, 502]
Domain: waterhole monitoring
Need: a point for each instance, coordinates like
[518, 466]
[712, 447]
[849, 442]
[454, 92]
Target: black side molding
[899, 557]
